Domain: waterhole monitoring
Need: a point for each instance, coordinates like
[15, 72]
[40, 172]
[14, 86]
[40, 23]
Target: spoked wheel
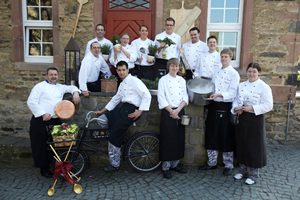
[142, 152]
[80, 163]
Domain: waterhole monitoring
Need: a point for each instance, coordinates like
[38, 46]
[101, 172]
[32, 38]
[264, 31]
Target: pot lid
[200, 86]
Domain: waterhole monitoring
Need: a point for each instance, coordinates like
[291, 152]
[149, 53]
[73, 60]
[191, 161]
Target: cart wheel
[79, 161]
[142, 152]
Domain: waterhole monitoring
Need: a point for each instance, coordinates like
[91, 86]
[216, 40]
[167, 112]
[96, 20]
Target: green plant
[105, 49]
[167, 40]
[152, 49]
[151, 84]
[115, 39]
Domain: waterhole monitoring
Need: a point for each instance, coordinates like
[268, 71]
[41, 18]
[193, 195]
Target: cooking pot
[185, 120]
[199, 90]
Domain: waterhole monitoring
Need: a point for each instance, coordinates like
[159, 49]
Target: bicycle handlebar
[88, 118]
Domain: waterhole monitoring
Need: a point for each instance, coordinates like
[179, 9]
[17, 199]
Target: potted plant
[64, 132]
[151, 85]
[105, 49]
[108, 83]
[115, 40]
[168, 42]
[152, 51]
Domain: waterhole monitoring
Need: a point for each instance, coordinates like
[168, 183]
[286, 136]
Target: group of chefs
[248, 101]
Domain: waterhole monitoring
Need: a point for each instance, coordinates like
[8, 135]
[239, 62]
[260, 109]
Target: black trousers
[39, 134]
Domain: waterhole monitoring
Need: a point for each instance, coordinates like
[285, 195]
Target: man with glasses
[172, 51]
[100, 32]
[91, 66]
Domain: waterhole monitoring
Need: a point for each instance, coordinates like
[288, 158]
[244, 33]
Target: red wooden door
[127, 16]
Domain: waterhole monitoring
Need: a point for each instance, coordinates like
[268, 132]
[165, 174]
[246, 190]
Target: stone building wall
[272, 45]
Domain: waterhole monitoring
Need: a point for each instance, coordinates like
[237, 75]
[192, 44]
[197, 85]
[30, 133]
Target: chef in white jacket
[42, 101]
[253, 100]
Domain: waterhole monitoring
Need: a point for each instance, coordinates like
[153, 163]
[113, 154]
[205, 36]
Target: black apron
[251, 140]
[219, 131]
[189, 75]
[160, 68]
[39, 134]
[119, 122]
[145, 72]
[95, 86]
[171, 137]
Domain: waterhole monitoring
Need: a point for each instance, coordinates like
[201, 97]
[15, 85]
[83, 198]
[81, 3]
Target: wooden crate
[65, 138]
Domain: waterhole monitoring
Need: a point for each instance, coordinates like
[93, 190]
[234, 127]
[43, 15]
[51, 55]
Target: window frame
[35, 24]
[228, 27]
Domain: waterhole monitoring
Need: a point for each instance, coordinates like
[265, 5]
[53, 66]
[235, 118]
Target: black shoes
[227, 172]
[47, 174]
[179, 169]
[109, 169]
[207, 167]
[167, 174]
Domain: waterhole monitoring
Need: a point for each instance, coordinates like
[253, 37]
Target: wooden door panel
[120, 22]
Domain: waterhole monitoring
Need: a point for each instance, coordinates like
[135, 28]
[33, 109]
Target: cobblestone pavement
[280, 179]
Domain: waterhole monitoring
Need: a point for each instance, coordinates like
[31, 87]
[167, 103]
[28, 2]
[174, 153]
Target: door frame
[157, 15]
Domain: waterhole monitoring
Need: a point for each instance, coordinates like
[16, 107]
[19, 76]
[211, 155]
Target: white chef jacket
[90, 70]
[257, 94]
[192, 52]
[207, 64]
[44, 97]
[121, 56]
[174, 50]
[101, 42]
[131, 90]
[171, 91]
[139, 44]
[226, 83]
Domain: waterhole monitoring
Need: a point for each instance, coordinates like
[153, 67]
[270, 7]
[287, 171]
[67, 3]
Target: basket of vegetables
[65, 133]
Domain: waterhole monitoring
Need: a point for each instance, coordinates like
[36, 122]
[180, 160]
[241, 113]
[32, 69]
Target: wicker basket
[65, 138]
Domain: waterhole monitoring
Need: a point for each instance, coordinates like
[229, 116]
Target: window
[225, 22]
[38, 33]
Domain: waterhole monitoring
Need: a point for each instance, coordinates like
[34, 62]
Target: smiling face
[252, 74]
[143, 32]
[52, 76]
[173, 69]
[169, 27]
[194, 35]
[225, 60]
[212, 44]
[100, 32]
[125, 40]
[95, 49]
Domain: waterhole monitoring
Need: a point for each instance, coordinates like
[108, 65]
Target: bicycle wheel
[142, 152]
[80, 163]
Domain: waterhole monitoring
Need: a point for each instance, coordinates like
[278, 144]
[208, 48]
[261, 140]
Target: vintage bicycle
[141, 150]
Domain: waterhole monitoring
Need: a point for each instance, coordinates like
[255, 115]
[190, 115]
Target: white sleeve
[144, 93]
[185, 94]
[33, 101]
[234, 82]
[198, 68]
[114, 101]
[104, 68]
[133, 54]
[112, 59]
[161, 99]
[266, 101]
[83, 73]
[235, 101]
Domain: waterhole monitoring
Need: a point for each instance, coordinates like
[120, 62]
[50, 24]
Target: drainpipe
[290, 94]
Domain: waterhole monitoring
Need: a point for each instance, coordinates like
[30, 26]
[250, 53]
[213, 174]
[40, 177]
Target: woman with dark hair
[143, 68]
[253, 100]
